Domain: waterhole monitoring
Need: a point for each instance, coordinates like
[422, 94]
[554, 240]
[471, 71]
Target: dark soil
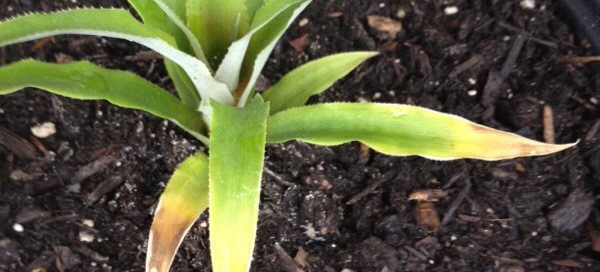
[347, 207]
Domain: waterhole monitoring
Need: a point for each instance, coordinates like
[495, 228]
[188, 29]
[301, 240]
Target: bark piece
[572, 212]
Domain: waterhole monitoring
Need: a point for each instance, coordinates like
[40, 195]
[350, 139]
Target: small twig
[40, 146]
[593, 130]
[287, 263]
[93, 168]
[586, 59]
[457, 201]
[364, 192]
[548, 121]
[528, 35]
[491, 90]
[17, 145]
[415, 252]
[103, 188]
[277, 177]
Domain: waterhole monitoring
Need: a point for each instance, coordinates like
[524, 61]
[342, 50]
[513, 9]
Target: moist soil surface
[82, 199]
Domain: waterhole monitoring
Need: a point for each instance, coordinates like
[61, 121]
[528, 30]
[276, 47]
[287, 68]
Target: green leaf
[183, 85]
[115, 23]
[177, 20]
[83, 80]
[401, 130]
[153, 15]
[252, 6]
[216, 24]
[264, 40]
[294, 89]
[184, 199]
[230, 68]
[236, 159]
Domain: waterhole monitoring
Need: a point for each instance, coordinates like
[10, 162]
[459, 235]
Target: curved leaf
[231, 66]
[183, 85]
[294, 89]
[401, 130]
[178, 21]
[263, 42]
[153, 15]
[216, 24]
[115, 23]
[184, 199]
[83, 80]
[236, 159]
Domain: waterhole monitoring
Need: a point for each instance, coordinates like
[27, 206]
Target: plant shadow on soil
[87, 206]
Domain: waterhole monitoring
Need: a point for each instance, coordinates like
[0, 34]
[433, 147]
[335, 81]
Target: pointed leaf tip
[184, 199]
[402, 130]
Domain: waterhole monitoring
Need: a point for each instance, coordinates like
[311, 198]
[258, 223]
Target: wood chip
[40, 146]
[456, 202]
[548, 122]
[93, 168]
[364, 154]
[286, 262]
[468, 218]
[372, 187]
[428, 195]
[586, 59]
[41, 43]
[301, 257]
[102, 189]
[593, 130]
[568, 263]
[507, 260]
[491, 90]
[387, 28]
[427, 215]
[17, 145]
[300, 43]
[572, 211]
[335, 14]
[594, 234]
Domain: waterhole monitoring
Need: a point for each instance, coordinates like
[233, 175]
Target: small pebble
[472, 81]
[472, 92]
[86, 237]
[528, 4]
[88, 222]
[453, 238]
[451, 10]
[1, 111]
[534, 233]
[18, 227]
[401, 13]
[303, 22]
[203, 224]
[382, 5]
[593, 100]
[310, 231]
[44, 130]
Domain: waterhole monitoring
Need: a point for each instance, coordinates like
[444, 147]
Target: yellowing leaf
[184, 199]
[401, 130]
